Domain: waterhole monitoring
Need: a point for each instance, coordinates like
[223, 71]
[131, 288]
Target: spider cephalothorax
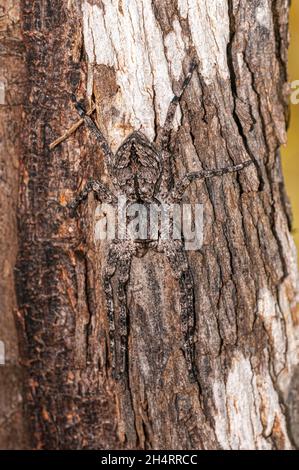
[140, 170]
[137, 168]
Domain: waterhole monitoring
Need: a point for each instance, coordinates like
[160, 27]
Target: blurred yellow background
[290, 153]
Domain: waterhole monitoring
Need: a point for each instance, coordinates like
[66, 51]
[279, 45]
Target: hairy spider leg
[101, 191]
[118, 262]
[163, 134]
[178, 261]
[108, 274]
[109, 156]
[124, 275]
[177, 193]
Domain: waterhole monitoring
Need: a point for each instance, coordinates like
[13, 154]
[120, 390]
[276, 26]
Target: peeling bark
[129, 56]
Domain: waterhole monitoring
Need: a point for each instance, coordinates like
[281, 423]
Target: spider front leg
[163, 134]
[177, 193]
[178, 261]
[109, 156]
[118, 262]
[100, 190]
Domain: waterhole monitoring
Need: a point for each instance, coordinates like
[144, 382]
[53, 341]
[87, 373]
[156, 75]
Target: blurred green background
[290, 152]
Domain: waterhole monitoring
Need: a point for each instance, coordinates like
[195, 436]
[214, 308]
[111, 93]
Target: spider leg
[177, 193]
[98, 134]
[124, 275]
[101, 191]
[164, 183]
[178, 261]
[119, 261]
[108, 274]
[163, 135]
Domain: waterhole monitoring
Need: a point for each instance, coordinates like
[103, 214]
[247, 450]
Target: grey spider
[141, 171]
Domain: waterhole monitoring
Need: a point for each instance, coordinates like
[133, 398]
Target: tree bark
[130, 57]
[12, 73]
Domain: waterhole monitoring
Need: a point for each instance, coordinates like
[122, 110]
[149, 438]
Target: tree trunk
[12, 432]
[130, 57]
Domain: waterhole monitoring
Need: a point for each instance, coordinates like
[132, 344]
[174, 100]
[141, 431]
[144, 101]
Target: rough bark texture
[12, 72]
[130, 57]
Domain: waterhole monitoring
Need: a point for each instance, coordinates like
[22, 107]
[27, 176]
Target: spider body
[140, 170]
[137, 168]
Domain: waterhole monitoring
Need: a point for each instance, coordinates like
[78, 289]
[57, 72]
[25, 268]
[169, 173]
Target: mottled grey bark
[130, 57]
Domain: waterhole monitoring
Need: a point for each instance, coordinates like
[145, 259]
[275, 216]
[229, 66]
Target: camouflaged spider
[140, 170]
